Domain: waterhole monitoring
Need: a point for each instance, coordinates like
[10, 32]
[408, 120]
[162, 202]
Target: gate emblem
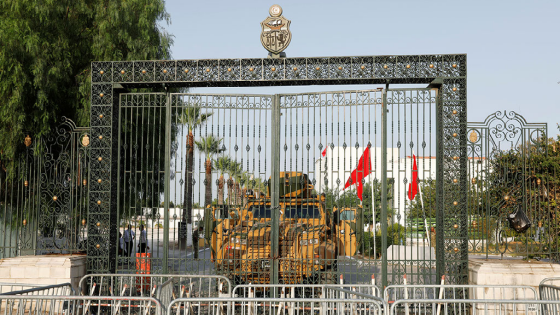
[275, 35]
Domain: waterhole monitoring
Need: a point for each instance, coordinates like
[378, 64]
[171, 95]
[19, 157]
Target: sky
[512, 47]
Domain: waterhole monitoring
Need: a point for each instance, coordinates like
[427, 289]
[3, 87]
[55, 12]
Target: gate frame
[447, 73]
[506, 124]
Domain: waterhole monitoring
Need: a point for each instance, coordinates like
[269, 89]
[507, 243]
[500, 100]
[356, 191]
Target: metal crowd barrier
[79, 305]
[25, 289]
[448, 291]
[277, 306]
[6, 287]
[473, 307]
[149, 285]
[549, 289]
[326, 291]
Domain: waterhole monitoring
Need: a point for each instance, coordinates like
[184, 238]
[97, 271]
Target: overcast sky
[512, 47]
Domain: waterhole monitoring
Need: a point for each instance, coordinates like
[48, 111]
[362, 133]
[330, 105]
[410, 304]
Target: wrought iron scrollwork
[506, 172]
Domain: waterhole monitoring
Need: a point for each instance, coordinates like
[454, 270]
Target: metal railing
[549, 289]
[473, 307]
[147, 285]
[277, 306]
[55, 289]
[6, 287]
[79, 305]
[484, 292]
[336, 300]
[303, 290]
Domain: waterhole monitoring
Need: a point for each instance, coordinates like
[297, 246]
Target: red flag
[363, 170]
[324, 153]
[413, 186]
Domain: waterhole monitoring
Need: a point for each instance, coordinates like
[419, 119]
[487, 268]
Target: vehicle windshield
[347, 215]
[261, 212]
[221, 214]
[302, 212]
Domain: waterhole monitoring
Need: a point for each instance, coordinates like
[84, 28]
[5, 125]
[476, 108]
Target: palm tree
[245, 183]
[258, 187]
[210, 145]
[222, 165]
[235, 171]
[193, 118]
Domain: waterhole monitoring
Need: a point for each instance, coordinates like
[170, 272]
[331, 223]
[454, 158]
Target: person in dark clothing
[143, 244]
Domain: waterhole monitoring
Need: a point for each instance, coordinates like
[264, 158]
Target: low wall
[412, 254]
[515, 272]
[44, 270]
[510, 271]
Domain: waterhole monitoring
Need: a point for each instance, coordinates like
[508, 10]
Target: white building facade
[339, 163]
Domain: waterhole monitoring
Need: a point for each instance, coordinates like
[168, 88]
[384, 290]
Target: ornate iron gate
[239, 141]
[509, 170]
[43, 195]
[141, 156]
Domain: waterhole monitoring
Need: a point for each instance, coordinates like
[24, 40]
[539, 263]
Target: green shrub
[395, 234]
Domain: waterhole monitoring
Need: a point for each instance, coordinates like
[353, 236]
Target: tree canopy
[46, 50]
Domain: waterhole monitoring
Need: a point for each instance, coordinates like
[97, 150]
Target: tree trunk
[208, 192]
[221, 190]
[230, 190]
[188, 182]
[237, 194]
[187, 191]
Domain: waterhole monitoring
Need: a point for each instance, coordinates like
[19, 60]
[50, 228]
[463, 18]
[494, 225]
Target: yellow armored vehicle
[309, 241]
[349, 229]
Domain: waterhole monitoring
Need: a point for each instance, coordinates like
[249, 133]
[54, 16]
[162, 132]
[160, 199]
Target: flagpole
[423, 210]
[373, 219]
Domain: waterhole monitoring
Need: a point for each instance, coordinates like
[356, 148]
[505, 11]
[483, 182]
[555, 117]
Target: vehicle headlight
[235, 240]
[309, 242]
[342, 232]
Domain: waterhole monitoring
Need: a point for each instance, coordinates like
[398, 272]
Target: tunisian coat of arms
[275, 35]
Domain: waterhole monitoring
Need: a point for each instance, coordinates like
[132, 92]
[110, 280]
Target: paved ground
[353, 270]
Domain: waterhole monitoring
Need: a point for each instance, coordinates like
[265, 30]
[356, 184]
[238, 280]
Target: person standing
[122, 250]
[143, 245]
[129, 237]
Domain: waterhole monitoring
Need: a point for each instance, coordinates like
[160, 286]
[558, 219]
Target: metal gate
[143, 154]
[223, 150]
[510, 172]
[44, 193]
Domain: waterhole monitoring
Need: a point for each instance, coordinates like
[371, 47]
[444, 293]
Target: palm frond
[192, 117]
[210, 145]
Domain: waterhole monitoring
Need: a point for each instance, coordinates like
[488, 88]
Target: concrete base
[515, 272]
[411, 253]
[44, 270]
[510, 272]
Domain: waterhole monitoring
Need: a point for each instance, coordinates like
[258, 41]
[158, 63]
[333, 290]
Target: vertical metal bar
[118, 186]
[275, 189]
[440, 257]
[166, 183]
[113, 208]
[384, 189]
